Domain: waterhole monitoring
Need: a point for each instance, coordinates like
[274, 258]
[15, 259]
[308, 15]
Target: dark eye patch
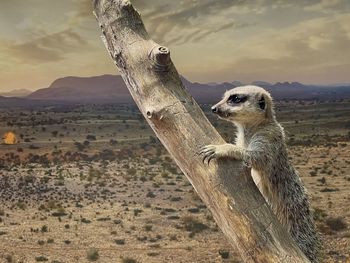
[237, 98]
[262, 103]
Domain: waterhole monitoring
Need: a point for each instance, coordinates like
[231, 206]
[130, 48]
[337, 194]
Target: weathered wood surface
[225, 187]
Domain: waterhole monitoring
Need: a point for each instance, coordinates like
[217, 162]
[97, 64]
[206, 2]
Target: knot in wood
[156, 114]
[149, 114]
[160, 57]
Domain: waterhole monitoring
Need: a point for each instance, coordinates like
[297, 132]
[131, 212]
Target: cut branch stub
[160, 57]
[154, 115]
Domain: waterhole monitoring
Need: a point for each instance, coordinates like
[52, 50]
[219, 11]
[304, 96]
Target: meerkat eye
[262, 103]
[237, 98]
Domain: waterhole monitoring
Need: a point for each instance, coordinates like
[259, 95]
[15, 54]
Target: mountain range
[16, 93]
[112, 89]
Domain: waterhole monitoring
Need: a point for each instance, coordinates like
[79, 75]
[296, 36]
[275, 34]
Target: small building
[10, 138]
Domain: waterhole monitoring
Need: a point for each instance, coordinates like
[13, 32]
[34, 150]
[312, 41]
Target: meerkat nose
[214, 109]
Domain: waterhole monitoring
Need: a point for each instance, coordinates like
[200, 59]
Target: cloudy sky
[210, 40]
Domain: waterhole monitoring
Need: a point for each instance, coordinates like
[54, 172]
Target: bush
[120, 241]
[21, 205]
[175, 199]
[85, 221]
[9, 259]
[137, 212]
[33, 147]
[147, 228]
[44, 229]
[79, 146]
[91, 137]
[322, 180]
[131, 171]
[92, 254]
[313, 173]
[41, 259]
[319, 214]
[60, 212]
[150, 195]
[193, 225]
[326, 189]
[152, 140]
[224, 253]
[153, 254]
[129, 260]
[193, 210]
[336, 223]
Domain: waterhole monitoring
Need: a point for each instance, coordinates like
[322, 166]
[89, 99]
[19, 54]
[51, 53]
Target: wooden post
[226, 187]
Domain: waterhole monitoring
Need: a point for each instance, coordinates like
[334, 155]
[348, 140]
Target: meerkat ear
[262, 103]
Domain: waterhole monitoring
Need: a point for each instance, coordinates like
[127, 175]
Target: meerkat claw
[208, 153]
[206, 157]
[203, 149]
[206, 149]
[211, 157]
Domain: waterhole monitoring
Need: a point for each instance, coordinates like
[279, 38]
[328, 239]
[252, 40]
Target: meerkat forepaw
[208, 152]
[211, 152]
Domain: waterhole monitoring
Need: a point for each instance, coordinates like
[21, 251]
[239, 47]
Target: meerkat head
[245, 105]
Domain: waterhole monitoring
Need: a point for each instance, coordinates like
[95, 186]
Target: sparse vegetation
[336, 223]
[128, 260]
[9, 259]
[92, 254]
[148, 228]
[193, 225]
[224, 253]
[120, 189]
[41, 259]
[319, 214]
[120, 241]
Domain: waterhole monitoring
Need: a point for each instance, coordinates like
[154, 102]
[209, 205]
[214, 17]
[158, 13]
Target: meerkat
[260, 143]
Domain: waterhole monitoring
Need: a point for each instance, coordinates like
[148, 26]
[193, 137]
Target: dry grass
[125, 198]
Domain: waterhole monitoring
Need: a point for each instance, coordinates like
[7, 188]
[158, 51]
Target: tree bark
[225, 186]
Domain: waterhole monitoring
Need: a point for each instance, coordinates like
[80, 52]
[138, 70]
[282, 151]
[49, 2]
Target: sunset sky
[210, 40]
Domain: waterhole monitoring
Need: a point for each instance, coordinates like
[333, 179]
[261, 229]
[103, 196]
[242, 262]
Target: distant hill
[16, 93]
[261, 83]
[298, 91]
[99, 89]
[111, 89]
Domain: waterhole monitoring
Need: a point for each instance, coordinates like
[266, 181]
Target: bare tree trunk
[226, 187]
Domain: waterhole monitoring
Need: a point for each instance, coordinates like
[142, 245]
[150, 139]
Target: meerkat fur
[260, 143]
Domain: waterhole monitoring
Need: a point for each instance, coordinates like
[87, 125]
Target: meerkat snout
[214, 109]
[220, 111]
